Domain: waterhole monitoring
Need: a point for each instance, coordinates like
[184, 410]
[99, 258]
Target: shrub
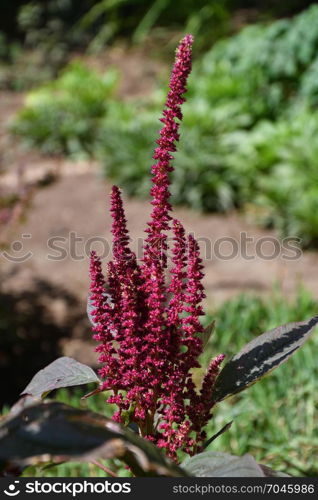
[63, 116]
[248, 131]
[283, 156]
[45, 34]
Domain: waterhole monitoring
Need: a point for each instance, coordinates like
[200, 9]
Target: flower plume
[149, 327]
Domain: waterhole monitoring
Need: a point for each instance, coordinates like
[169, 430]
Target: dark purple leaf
[54, 432]
[260, 356]
[63, 372]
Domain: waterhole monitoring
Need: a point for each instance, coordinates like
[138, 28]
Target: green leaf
[54, 432]
[63, 372]
[216, 464]
[260, 356]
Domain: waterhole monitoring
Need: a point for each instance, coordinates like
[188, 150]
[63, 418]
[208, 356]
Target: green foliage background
[64, 116]
[248, 136]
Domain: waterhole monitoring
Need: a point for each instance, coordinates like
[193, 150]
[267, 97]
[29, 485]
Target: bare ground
[78, 203]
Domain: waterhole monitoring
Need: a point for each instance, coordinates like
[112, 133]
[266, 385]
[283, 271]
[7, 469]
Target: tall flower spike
[157, 340]
[176, 409]
[205, 400]
[123, 271]
[156, 241]
[209, 379]
[123, 256]
[191, 323]
[194, 296]
[97, 287]
[177, 284]
[148, 330]
[157, 337]
[125, 278]
[103, 317]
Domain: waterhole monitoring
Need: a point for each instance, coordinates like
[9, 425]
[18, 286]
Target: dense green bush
[63, 116]
[200, 179]
[248, 133]
[284, 157]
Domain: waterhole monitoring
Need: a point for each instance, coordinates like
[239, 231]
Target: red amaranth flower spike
[210, 378]
[123, 256]
[178, 275]
[194, 296]
[148, 328]
[123, 270]
[156, 244]
[204, 401]
[103, 317]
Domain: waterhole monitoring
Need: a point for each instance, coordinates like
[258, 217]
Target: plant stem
[104, 468]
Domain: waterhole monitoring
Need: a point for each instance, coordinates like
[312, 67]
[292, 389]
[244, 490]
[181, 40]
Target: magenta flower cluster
[147, 315]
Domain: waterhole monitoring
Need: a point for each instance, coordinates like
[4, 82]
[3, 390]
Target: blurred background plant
[249, 128]
[63, 116]
[38, 38]
[43, 35]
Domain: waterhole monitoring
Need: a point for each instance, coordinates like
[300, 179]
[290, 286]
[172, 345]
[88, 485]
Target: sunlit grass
[274, 420]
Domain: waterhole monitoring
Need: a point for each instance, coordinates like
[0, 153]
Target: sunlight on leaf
[260, 356]
[63, 372]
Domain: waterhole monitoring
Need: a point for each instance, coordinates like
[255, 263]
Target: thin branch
[104, 468]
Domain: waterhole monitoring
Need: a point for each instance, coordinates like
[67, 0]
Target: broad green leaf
[206, 334]
[63, 372]
[217, 464]
[260, 356]
[54, 432]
